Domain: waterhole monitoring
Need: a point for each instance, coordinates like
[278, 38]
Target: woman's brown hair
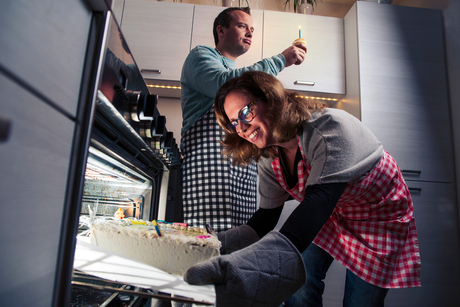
[284, 107]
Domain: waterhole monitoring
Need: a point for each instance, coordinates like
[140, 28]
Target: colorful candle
[156, 228]
[300, 33]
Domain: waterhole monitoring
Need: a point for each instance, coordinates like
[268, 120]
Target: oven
[132, 165]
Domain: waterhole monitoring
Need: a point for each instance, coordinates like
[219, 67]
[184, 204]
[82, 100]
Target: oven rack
[137, 295]
[110, 204]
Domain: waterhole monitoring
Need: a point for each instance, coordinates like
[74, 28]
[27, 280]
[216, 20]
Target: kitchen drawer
[436, 218]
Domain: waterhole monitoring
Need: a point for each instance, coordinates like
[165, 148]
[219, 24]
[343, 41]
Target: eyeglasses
[245, 115]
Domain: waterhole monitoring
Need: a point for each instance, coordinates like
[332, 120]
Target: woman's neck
[290, 146]
[288, 152]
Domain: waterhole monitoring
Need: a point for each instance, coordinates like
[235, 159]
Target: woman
[354, 204]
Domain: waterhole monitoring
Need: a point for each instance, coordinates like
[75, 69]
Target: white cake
[178, 247]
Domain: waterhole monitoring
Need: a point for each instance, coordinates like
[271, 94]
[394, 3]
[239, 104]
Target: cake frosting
[171, 248]
[299, 41]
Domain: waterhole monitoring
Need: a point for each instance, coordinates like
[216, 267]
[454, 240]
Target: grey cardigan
[338, 147]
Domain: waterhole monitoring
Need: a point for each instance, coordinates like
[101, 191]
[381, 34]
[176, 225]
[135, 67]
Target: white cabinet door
[202, 32]
[324, 64]
[34, 171]
[158, 35]
[403, 87]
[436, 219]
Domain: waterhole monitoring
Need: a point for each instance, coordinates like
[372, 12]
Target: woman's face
[258, 130]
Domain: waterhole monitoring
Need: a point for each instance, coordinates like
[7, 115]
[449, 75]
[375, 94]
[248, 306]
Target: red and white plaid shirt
[372, 228]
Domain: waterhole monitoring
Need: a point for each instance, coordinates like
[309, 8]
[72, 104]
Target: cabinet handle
[415, 189]
[5, 127]
[151, 71]
[411, 171]
[309, 83]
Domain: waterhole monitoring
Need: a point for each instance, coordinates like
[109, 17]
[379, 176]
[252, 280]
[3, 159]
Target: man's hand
[295, 54]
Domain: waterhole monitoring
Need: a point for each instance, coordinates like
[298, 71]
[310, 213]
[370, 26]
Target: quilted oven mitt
[236, 238]
[265, 273]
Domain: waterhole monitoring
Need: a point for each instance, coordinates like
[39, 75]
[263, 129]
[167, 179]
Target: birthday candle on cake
[300, 33]
[156, 227]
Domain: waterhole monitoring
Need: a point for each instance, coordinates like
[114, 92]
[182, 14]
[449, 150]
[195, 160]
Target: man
[213, 191]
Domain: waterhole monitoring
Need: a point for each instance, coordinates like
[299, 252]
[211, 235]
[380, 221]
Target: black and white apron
[213, 191]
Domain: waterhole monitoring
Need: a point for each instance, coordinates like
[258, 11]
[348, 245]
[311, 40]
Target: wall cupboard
[323, 70]
[160, 35]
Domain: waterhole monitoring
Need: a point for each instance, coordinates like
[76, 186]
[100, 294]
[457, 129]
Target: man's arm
[204, 72]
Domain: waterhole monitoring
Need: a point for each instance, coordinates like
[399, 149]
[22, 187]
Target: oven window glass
[113, 189]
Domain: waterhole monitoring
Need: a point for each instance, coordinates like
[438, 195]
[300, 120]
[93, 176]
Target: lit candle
[300, 34]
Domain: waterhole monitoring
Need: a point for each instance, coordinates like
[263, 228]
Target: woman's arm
[311, 214]
[264, 220]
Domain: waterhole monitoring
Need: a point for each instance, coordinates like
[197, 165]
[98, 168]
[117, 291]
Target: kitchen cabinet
[436, 218]
[117, 10]
[203, 21]
[158, 35]
[396, 72]
[323, 70]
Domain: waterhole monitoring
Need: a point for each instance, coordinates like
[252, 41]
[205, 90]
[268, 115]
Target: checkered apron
[213, 191]
[372, 228]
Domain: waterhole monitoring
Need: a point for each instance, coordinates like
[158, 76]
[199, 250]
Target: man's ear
[220, 31]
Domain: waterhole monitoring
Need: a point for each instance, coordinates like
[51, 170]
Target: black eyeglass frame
[231, 127]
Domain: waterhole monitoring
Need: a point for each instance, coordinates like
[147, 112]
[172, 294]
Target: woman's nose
[243, 126]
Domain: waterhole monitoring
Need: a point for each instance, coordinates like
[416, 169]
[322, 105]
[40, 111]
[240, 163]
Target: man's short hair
[225, 18]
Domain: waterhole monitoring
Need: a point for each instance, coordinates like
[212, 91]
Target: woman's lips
[253, 136]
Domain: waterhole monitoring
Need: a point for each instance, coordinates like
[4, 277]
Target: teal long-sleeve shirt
[204, 72]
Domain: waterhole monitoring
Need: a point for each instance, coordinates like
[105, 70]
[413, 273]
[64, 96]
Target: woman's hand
[265, 273]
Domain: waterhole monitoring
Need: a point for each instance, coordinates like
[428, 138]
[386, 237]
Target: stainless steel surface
[310, 83]
[151, 71]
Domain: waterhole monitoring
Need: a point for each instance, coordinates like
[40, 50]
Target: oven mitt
[237, 238]
[265, 273]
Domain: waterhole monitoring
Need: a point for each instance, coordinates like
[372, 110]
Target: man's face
[237, 39]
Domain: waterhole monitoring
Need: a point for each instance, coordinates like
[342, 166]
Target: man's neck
[225, 53]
